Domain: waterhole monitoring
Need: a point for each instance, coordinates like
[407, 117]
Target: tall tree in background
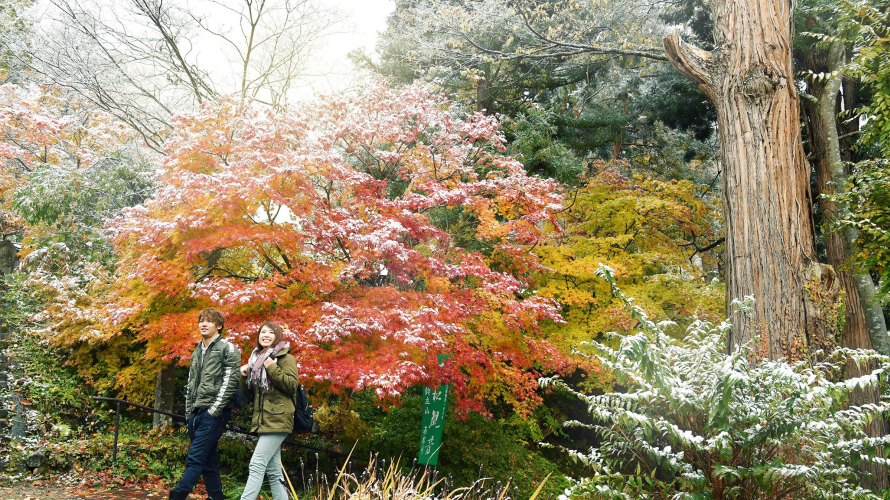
[591, 76]
[830, 113]
[139, 61]
[867, 189]
[768, 223]
[143, 60]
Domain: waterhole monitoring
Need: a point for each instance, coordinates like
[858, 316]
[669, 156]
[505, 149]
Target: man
[213, 379]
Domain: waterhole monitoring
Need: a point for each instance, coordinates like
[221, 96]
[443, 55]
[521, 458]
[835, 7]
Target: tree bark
[165, 395]
[864, 326]
[861, 329]
[769, 228]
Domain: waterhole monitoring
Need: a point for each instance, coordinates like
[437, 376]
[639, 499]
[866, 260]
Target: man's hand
[244, 369]
[268, 362]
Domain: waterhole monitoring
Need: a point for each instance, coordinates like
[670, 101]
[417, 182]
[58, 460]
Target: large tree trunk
[864, 326]
[769, 229]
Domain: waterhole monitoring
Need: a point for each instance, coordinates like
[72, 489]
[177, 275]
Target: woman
[271, 374]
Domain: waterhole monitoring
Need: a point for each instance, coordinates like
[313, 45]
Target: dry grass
[393, 483]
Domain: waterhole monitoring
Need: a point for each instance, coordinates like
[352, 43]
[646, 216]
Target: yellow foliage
[644, 230]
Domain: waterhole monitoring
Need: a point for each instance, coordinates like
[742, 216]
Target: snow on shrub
[698, 423]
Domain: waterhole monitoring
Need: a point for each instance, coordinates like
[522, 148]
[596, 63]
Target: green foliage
[560, 111]
[143, 453]
[54, 365]
[473, 447]
[869, 192]
[496, 448]
[871, 63]
[41, 377]
[698, 423]
[70, 429]
[657, 121]
[19, 302]
[70, 204]
[49, 387]
[13, 25]
[68, 260]
[863, 28]
[535, 142]
[866, 196]
[670, 153]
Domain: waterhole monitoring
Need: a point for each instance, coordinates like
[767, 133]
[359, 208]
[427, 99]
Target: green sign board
[435, 402]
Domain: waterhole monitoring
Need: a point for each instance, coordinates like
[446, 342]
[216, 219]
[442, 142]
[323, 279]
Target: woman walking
[271, 374]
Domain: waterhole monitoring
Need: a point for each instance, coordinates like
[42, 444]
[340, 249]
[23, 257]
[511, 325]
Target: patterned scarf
[256, 372]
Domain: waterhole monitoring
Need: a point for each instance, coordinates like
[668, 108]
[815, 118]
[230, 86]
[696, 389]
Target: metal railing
[117, 422]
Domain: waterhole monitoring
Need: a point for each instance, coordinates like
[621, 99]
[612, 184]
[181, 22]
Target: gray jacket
[213, 380]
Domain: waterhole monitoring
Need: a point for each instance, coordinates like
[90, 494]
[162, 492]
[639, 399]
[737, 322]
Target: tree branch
[690, 61]
[573, 50]
[706, 248]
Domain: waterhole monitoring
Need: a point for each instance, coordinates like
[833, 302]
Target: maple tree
[67, 168]
[657, 238]
[383, 229]
[26, 127]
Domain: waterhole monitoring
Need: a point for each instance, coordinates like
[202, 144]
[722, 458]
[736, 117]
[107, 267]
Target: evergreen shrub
[699, 423]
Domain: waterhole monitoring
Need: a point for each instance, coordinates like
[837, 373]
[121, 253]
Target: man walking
[213, 379]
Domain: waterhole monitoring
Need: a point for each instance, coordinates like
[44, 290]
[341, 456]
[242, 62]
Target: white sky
[359, 26]
[363, 20]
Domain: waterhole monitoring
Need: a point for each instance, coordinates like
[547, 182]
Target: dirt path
[26, 492]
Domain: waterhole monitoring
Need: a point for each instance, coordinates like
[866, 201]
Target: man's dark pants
[202, 460]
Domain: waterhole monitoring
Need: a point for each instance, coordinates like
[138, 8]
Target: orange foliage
[382, 229]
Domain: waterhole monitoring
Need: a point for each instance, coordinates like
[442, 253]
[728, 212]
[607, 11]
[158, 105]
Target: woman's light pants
[266, 461]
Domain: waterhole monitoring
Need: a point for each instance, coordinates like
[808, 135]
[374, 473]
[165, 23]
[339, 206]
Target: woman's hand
[244, 370]
[268, 362]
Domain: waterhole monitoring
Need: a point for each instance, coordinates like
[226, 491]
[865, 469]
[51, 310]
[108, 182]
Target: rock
[18, 428]
[34, 460]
